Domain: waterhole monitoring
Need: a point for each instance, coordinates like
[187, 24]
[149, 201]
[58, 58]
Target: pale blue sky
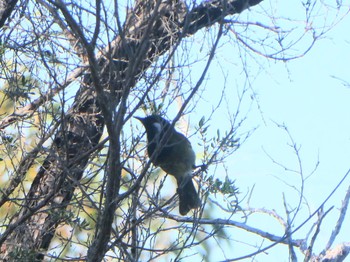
[304, 95]
[315, 107]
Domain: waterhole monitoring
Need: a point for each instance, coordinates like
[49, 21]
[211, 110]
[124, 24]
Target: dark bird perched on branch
[173, 152]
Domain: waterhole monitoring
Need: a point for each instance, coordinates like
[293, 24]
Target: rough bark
[150, 30]
[6, 8]
[336, 254]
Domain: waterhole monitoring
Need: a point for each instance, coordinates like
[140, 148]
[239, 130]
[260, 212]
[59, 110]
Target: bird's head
[154, 125]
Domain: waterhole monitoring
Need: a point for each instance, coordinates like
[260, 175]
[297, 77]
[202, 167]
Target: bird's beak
[139, 118]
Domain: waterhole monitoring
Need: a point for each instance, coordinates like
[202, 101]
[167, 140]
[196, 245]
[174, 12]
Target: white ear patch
[158, 127]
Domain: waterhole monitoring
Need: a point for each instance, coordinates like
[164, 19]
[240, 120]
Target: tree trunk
[6, 8]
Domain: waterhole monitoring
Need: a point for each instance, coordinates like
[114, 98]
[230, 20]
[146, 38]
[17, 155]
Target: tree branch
[336, 230]
[228, 222]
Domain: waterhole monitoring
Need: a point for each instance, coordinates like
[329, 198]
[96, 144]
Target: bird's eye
[157, 126]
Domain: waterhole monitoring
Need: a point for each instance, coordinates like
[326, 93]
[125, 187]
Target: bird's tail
[188, 196]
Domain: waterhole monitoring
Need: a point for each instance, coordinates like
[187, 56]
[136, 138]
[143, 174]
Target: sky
[307, 97]
[311, 103]
[302, 101]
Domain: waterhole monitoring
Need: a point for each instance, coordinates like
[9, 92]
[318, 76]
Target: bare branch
[336, 230]
[321, 216]
[337, 254]
[223, 222]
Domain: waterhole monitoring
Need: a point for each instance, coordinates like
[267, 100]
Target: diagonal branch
[336, 230]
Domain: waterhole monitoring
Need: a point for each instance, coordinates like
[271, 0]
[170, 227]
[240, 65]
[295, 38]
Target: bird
[173, 153]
